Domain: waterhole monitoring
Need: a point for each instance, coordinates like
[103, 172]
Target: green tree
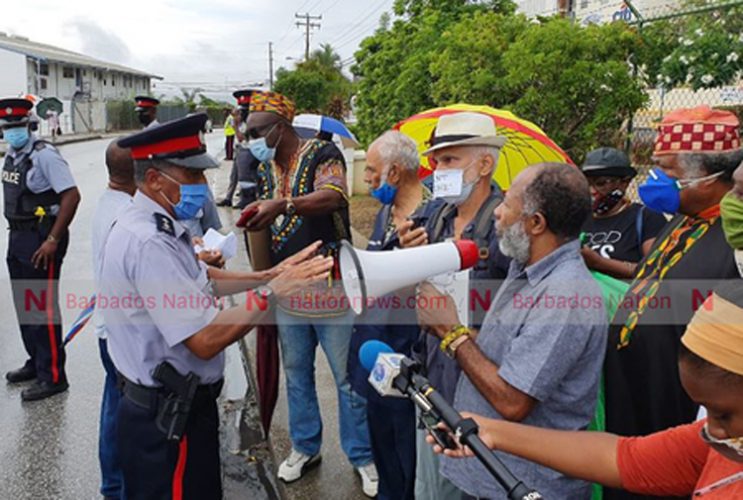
[317, 85]
[702, 50]
[477, 77]
[394, 65]
[574, 82]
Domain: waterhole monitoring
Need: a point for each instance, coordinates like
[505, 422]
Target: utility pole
[308, 25]
[270, 65]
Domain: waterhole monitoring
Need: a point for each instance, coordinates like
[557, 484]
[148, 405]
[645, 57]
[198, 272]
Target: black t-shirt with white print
[621, 236]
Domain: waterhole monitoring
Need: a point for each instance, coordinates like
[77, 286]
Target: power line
[358, 22]
[308, 25]
[331, 6]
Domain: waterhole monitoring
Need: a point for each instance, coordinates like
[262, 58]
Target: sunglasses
[264, 131]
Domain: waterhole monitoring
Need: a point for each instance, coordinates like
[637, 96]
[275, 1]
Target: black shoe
[23, 374]
[42, 390]
[224, 203]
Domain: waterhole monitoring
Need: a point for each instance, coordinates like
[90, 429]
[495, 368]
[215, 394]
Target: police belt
[30, 223]
[151, 397]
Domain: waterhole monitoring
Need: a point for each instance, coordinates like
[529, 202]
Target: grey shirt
[48, 171]
[154, 294]
[546, 330]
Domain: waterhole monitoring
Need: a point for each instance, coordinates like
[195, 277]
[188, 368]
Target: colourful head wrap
[272, 102]
[698, 130]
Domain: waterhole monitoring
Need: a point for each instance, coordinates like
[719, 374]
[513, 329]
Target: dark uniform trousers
[156, 468]
[36, 300]
[393, 433]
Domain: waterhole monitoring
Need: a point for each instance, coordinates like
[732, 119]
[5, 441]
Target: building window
[85, 72]
[42, 83]
[44, 69]
[68, 72]
[113, 80]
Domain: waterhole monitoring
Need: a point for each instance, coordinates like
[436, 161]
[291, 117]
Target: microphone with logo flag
[393, 374]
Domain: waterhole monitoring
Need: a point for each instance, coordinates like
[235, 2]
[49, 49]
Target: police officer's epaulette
[41, 144]
[164, 224]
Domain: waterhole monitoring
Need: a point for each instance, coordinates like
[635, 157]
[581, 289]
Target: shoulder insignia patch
[164, 224]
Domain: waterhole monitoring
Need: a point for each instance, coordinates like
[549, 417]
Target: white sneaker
[295, 465]
[369, 479]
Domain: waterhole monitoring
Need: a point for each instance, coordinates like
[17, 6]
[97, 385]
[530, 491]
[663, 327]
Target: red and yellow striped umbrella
[527, 144]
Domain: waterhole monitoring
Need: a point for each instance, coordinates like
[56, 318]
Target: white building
[596, 11]
[81, 82]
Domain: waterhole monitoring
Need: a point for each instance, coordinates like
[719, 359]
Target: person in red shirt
[703, 459]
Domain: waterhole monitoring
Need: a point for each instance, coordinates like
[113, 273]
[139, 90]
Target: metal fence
[120, 115]
[642, 128]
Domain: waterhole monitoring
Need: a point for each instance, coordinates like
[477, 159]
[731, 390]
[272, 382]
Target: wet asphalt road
[48, 449]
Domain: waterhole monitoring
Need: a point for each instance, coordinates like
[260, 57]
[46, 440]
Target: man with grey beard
[538, 356]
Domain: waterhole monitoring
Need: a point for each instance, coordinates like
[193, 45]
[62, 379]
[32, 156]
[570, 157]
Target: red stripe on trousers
[50, 322]
[180, 469]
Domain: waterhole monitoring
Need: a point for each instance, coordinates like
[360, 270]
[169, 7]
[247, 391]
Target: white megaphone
[372, 275]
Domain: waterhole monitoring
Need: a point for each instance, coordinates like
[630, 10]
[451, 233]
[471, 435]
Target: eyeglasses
[602, 182]
[264, 131]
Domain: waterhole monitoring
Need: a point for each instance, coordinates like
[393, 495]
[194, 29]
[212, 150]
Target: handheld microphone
[398, 373]
[383, 365]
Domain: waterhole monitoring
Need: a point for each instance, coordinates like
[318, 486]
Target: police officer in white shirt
[40, 199]
[165, 333]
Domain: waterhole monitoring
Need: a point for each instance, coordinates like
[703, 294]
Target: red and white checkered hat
[698, 130]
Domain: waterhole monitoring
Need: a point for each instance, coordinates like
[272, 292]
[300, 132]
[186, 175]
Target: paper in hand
[214, 240]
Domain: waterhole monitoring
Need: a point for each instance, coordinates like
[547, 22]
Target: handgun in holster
[174, 409]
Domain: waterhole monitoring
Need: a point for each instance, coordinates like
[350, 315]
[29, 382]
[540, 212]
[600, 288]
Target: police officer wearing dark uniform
[166, 335]
[40, 199]
[147, 110]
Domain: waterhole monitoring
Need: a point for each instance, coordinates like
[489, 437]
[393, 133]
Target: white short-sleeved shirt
[154, 294]
[110, 204]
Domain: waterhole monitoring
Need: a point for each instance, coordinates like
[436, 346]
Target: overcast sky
[214, 41]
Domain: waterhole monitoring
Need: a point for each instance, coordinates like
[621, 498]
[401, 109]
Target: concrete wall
[358, 186]
[13, 74]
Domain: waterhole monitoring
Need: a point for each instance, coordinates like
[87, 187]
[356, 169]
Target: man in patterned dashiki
[303, 198]
[696, 152]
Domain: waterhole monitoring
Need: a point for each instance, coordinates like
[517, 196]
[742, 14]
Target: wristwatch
[52, 239]
[290, 208]
[266, 293]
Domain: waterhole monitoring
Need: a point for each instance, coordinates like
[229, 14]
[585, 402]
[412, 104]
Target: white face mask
[449, 185]
[731, 448]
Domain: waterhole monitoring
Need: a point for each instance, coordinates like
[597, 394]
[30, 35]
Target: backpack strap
[483, 223]
[438, 221]
[638, 225]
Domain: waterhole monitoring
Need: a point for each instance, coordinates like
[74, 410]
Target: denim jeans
[111, 478]
[299, 337]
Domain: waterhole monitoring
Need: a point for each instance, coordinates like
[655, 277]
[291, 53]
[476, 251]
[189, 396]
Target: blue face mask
[17, 137]
[260, 150]
[662, 193]
[193, 198]
[384, 193]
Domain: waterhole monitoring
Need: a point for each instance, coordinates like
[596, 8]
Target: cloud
[97, 42]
